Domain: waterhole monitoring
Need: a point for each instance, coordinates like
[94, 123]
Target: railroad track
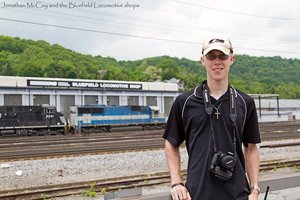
[279, 130]
[94, 148]
[74, 146]
[106, 142]
[21, 148]
[113, 184]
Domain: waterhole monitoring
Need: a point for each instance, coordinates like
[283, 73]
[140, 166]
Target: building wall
[64, 93]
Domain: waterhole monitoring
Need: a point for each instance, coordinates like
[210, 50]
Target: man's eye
[223, 57]
[211, 56]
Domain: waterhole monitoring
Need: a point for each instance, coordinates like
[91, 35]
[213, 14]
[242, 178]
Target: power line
[130, 35]
[97, 31]
[182, 31]
[235, 12]
[126, 24]
[266, 50]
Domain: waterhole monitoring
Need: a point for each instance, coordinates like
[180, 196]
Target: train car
[106, 117]
[30, 120]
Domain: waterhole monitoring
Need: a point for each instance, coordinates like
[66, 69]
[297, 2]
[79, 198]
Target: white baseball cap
[221, 43]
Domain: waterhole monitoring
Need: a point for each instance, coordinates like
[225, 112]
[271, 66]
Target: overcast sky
[136, 29]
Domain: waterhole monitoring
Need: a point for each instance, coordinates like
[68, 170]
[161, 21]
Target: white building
[64, 93]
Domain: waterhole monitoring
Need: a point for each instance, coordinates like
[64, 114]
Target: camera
[222, 165]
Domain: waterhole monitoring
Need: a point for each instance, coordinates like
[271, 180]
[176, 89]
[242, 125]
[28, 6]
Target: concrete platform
[280, 187]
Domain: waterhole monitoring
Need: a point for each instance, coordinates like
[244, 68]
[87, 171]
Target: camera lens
[228, 162]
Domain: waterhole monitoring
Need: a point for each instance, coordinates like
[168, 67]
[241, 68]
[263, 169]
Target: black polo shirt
[189, 122]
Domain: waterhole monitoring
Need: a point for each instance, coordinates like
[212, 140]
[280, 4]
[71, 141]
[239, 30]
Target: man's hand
[180, 192]
[254, 195]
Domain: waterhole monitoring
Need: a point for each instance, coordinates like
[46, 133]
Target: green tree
[251, 74]
[152, 73]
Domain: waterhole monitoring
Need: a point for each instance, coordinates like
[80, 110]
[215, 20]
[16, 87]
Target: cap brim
[219, 47]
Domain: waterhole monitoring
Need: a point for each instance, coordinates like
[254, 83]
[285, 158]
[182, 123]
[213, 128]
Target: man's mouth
[217, 69]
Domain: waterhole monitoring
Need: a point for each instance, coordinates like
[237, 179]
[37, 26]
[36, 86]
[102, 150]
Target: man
[215, 120]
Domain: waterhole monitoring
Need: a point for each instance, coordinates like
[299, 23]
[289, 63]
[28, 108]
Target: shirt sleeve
[251, 129]
[174, 132]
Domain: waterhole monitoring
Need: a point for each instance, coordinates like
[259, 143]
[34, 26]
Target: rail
[114, 184]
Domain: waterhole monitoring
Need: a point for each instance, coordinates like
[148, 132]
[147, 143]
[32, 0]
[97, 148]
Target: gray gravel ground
[31, 173]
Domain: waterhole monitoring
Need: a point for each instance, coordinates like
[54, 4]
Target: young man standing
[215, 120]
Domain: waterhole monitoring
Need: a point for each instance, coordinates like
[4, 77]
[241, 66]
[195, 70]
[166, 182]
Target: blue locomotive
[113, 116]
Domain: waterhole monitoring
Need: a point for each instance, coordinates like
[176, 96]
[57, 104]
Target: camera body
[222, 165]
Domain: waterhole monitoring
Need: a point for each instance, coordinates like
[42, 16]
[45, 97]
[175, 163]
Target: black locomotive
[30, 120]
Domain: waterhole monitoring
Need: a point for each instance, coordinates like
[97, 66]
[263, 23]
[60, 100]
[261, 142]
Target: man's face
[217, 64]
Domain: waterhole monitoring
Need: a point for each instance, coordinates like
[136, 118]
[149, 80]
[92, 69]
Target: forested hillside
[19, 57]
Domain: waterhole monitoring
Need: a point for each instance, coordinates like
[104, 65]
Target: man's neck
[217, 89]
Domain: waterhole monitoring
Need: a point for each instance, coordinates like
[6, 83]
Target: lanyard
[233, 115]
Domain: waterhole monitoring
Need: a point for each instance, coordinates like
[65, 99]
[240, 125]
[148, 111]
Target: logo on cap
[216, 40]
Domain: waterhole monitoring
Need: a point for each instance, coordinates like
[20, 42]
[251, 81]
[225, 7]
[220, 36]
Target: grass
[91, 191]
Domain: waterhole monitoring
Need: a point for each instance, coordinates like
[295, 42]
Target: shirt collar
[198, 92]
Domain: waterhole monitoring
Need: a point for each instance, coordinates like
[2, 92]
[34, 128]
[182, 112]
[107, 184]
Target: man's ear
[201, 60]
[232, 58]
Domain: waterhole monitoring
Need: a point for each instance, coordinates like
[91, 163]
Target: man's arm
[252, 167]
[173, 160]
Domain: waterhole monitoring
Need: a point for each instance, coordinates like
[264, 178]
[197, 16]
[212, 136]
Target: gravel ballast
[30, 173]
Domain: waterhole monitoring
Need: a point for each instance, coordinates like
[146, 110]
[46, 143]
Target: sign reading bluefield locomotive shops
[81, 84]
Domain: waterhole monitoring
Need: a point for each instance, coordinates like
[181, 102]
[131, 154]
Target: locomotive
[106, 117]
[44, 119]
[30, 120]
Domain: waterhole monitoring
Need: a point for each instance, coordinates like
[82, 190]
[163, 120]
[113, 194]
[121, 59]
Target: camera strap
[233, 116]
[232, 110]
